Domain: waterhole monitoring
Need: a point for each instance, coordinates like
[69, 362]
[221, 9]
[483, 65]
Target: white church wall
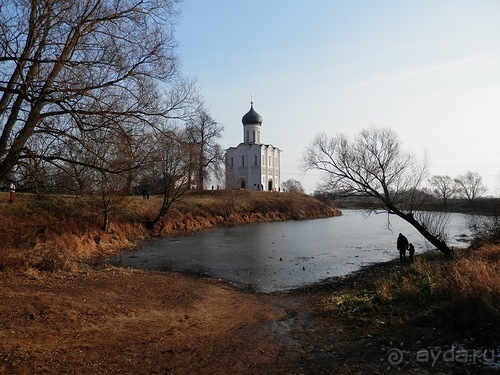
[252, 165]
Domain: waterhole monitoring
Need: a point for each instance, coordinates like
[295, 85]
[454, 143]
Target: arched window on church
[253, 136]
[232, 162]
[248, 136]
[242, 161]
[255, 159]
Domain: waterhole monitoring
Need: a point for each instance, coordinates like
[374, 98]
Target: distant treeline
[483, 206]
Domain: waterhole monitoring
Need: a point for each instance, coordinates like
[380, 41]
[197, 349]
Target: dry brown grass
[463, 292]
[57, 232]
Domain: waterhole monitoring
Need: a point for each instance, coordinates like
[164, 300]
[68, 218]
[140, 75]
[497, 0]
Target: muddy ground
[124, 321]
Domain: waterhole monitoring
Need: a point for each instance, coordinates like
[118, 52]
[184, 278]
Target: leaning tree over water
[374, 166]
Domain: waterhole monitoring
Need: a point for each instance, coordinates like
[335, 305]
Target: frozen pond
[284, 255]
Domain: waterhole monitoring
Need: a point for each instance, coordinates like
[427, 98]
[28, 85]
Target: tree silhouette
[470, 186]
[71, 67]
[374, 166]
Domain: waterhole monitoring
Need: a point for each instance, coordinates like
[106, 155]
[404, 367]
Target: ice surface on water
[279, 256]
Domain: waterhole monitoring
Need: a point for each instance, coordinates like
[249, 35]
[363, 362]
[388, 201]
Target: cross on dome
[251, 117]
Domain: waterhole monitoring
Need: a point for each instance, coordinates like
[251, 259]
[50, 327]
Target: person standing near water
[411, 250]
[402, 245]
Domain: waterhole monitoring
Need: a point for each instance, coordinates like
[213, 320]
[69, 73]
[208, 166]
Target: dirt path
[122, 321]
[134, 322]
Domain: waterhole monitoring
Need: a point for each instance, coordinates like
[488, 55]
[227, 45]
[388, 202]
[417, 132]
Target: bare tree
[470, 186]
[230, 180]
[202, 133]
[374, 166]
[229, 199]
[173, 170]
[110, 194]
[71, 67]
[113, 154]
[292, 186]
[444, 187]
[485, 228]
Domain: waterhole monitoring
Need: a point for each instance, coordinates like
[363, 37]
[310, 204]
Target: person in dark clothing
[411, 251]
[402, 245]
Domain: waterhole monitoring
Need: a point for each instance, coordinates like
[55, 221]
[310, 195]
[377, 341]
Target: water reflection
[279, 256]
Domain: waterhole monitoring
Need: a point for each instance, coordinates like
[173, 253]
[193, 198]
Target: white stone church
[253, 165]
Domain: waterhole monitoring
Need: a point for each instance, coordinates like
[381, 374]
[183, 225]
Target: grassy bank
[457, 299]
[58, 232]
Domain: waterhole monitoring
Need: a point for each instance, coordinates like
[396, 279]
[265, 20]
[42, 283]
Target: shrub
[485, 229]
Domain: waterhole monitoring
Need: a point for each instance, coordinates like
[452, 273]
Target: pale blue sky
[428, 69]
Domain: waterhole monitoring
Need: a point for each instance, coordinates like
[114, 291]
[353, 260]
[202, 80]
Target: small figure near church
[402, 245]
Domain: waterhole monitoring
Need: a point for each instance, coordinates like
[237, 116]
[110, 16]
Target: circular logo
[394, 356]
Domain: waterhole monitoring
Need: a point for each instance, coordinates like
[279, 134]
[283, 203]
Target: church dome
[251, 117]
